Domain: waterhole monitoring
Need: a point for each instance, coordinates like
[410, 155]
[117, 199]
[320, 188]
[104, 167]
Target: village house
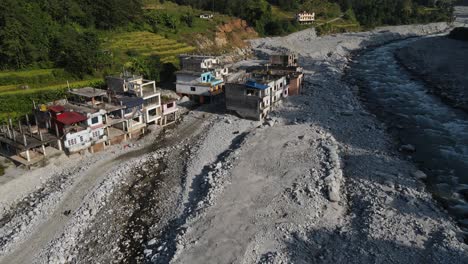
[201, 78]
[284, 60]
[202, 87]
[206, 16]
[305, 17]
[250, 100]
[138, 87]
[294, 76]
[71, 127]
[170, 112]
[95, 104]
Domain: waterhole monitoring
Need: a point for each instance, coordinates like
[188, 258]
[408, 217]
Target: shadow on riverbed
[358, 246]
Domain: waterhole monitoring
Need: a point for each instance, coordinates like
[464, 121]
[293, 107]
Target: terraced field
[145, 44]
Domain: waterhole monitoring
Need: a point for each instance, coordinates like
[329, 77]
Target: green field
[144, 44]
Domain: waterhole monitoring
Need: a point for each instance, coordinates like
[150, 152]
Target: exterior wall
[187, 89]
[152, 114]
[247, 106]
[116, 84]
[167, 110]
[98, 147]
[117, 139]
[295, 84]
[186, 78]
[305, 18]
[78, 141]
[152, 105]
[285, 92]
[283, 60]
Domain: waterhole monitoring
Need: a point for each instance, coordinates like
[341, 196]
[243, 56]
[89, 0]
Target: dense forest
[60, 33]
[369, 13]
[65, 33]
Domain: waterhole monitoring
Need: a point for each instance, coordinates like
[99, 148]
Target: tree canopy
[44, 33]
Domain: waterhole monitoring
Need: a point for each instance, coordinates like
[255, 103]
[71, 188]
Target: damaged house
[201, 78]
[27, 143]
[136, 86]
[170, 112]
[250, 100]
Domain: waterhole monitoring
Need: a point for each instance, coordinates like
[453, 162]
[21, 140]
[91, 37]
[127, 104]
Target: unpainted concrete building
[250, 100]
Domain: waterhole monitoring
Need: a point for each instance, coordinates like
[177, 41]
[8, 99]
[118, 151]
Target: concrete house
[169, 110]
[250, 100]
[285, 60]
[201, 87]
[294, 76]
[206, 16]
[305, 17]
[131, 113]
[71, 128]
[139, 87]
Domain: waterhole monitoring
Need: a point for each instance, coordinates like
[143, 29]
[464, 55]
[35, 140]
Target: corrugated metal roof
[255, 85]
[69, 118]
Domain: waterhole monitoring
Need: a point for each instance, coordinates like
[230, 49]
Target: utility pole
[213, 7]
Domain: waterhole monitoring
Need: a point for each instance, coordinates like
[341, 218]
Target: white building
[305, 17]
[141, 88]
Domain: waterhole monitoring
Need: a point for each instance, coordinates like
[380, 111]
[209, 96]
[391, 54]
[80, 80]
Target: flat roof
[88, 92]
[256, 85]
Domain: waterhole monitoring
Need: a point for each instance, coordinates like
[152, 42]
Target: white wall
[186, 89]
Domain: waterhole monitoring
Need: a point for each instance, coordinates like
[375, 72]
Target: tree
[79, 53]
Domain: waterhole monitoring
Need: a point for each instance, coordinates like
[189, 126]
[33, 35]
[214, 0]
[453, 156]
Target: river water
[414, 116]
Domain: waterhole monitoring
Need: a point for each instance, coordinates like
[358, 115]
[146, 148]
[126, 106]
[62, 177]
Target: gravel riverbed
[320, 181]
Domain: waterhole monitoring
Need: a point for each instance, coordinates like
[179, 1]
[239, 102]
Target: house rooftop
[56, 108]
[193, 73]
[130, 102]
[69, 118]
[255, 85]
[88, 92]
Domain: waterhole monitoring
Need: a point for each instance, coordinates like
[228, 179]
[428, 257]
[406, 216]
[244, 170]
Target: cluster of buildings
[261, 88]
[89, 119]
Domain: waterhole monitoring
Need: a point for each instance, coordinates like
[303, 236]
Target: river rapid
[438, 132]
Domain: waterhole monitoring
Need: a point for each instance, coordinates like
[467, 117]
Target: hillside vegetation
[274, 17]
[46, 45]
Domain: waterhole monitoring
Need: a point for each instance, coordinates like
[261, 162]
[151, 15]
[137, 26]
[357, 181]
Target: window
[281, 85]
[250, 92]
[94, 120]
[170, 105]
[193, 89]
[152, 112]
[81, 139]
